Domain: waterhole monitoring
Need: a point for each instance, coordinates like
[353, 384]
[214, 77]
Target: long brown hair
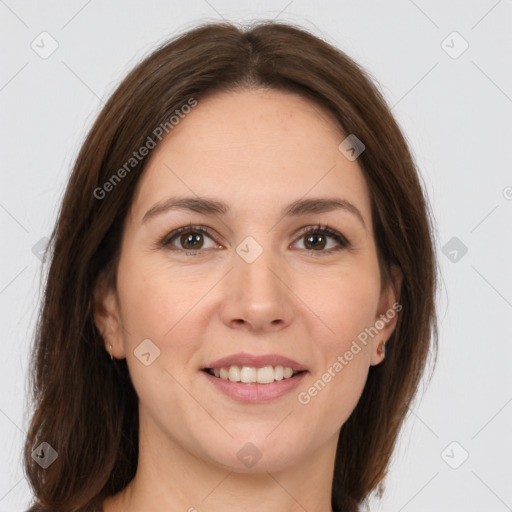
[84, 404]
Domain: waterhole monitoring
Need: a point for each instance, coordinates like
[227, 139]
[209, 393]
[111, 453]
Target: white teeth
[248, 374]
[266, 375]
[234, 374]
[251, 374]
[287, 372]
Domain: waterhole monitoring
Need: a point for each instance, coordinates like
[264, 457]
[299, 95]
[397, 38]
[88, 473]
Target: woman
[241, 297]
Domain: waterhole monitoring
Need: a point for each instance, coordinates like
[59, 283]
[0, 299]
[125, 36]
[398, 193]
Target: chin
[255, 456]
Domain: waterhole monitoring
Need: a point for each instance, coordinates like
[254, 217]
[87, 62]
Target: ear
[107, 318]
[387, 314]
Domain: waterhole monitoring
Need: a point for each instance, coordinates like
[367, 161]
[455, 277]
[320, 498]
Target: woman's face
[259, 282]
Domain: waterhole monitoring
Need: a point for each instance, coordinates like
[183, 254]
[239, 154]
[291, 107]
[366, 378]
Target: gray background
[455, 111]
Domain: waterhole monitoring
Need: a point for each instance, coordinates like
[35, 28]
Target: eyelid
[325, 230]
[190, 227]
[319, 228]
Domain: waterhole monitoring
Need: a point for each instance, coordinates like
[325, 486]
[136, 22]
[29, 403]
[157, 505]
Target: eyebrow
[213, 207]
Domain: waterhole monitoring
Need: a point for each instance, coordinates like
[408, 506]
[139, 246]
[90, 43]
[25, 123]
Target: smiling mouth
[253, 375]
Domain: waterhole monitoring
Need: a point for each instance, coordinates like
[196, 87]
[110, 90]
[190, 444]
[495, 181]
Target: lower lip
[254, 392]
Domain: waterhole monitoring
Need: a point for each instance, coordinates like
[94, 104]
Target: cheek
[156, 306]
[348, 304]
[153, 300]
[339, 379]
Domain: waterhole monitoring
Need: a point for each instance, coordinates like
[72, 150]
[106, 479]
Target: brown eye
[191, 241]
[187, 239]
[316, 240]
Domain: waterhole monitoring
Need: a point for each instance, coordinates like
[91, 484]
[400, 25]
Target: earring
[110, 352]
[382, 348]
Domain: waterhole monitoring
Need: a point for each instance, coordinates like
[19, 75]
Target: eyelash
[313, 230]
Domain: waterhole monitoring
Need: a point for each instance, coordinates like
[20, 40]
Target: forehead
[252, 148]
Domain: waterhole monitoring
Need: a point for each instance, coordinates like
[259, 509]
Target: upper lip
[244, 359]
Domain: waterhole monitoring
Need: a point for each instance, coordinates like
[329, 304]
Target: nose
[257, 295]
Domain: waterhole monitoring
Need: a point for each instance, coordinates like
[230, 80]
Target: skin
[258, 151]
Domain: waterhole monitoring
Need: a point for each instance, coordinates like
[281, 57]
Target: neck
[171, 478]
